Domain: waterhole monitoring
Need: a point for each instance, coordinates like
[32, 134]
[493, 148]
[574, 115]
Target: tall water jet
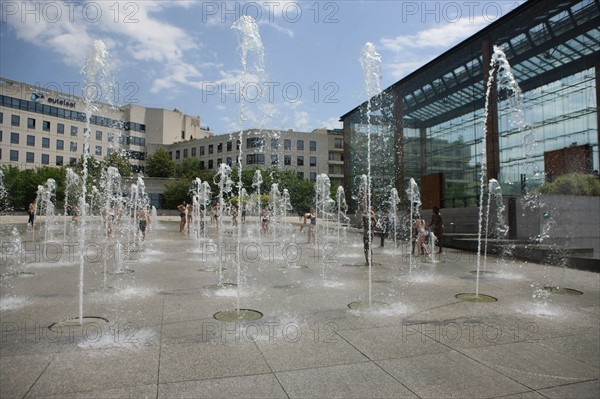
[73, 184]
[392, 218]
[499, 224]
[414, 196]
[257, 182]
[342, 210]
[250, 43]
[370, 62]
[323, 204]
[504, 79]
[47, 199]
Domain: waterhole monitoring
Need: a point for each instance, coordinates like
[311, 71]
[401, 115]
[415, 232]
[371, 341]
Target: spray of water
[250, 43]
[96, 71]
[370, 62]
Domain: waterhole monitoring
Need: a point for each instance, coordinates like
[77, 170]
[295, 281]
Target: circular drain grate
[472, 297]
[73, 325]
[121, 272]
[365, 306]
[18, 274]
[220, 286]
[235, 315]
[563, 291]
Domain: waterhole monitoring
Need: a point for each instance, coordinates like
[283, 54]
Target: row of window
[31, 140]
[45, 158]
[60, 129]
[33, 106]
[254, 142]
[252, 159]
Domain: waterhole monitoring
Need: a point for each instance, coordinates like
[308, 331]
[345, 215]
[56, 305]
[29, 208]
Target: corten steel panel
[568, 160]
[432, 190]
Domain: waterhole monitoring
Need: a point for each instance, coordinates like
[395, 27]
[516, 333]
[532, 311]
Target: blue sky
[184, 54]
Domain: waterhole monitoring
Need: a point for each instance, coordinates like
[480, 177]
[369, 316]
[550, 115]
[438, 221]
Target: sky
[186, 55]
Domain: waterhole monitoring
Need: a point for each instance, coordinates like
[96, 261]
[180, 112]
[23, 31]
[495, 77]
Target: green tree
[119, 161]
[22, 185]
[175, 192]
[160, 164]
[191, 168]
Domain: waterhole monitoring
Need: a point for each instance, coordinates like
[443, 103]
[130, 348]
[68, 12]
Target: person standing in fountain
[421, 228]
[234, 215]
[312, 229]
[368, 238]
[265, 218]
[31, 211]
[182, 208]
[438, 226]
[75, 214]
[143, 220]
[190, 215]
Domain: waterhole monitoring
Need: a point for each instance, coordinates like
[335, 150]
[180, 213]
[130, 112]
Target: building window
[99, 135]
[46, 126]
[337, 143]
[15, 120]
[73, 146]
[254, 142]
[109, 151]
[287, 160]
[110, 137]
[220, 147]
[255, 159]
[211, 148]
[60, 145]
[30, 140]
[201, 150]
[193, 151]
[1, 117]
[182, 135]
[301, 175]
[229, 161]
[300, 145]
[274, 142]
[14, 138]
[45, 159]
[313, 161]
[185, 152]
[300, 160]
[98, 150]
[72, 161]
[287, 144]
[14, 155]
[177, 154]
[74, 130]
[59, 160]
[313, 176]
[0, 135]
[313, 145]
[274, 160]
[45, 142]
[219, 161]
[210, 164]
[29, 157]
[229, 145]
[202, 165]
[60, 128]
[30, 123]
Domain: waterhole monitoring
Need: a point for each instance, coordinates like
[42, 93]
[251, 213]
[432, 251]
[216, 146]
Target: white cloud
[439, 36]
[130, 27]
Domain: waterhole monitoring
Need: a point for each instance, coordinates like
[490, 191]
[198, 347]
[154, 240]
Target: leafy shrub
[572, 184]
